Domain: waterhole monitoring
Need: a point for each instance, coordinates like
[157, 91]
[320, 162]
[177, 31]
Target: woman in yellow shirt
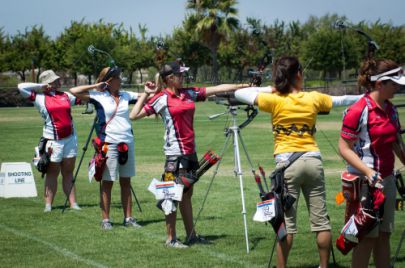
[294, 114]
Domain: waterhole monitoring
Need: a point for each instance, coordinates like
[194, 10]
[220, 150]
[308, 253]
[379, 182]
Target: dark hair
[372, 67]
[284, 72]
[108, 72]
[174, 67]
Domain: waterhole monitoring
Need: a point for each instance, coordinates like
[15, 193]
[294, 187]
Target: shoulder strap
[111, 118]
[277, 176]
[292, 158]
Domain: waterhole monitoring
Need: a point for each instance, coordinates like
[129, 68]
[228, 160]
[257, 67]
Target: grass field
[30, 238]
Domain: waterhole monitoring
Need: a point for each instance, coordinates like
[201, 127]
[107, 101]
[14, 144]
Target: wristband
[375, 176]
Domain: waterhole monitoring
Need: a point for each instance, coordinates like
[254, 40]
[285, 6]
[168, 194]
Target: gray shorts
[390, 191]
[113, 169]
[307, 174]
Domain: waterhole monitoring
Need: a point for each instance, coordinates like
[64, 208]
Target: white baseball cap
[47, 77]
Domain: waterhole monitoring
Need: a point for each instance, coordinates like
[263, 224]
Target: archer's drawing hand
[150, 88]
[102, 86]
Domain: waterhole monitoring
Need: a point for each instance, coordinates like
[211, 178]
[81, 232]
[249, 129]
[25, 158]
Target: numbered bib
[265, 211]
[166, 190]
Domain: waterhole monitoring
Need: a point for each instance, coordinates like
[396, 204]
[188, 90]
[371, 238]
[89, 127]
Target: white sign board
[17, 180]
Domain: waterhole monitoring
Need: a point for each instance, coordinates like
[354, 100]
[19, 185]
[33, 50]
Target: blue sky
[161, 16]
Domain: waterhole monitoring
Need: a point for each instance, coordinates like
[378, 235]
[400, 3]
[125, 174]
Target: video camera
[227, 99]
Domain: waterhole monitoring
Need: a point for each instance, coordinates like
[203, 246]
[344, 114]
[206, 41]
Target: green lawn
[31, 238]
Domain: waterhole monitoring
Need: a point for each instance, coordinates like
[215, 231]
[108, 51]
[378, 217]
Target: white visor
[184, 69]
[396, 75]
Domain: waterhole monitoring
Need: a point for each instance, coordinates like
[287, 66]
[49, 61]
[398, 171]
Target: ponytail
[371, 67]
[284, 73]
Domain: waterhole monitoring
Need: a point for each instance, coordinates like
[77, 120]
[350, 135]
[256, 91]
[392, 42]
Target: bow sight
[92, 50]
[256, 76]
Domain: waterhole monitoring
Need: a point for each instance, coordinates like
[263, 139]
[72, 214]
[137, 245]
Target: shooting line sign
[17, 180]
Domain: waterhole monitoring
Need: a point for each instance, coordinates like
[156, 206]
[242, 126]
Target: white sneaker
[48, 208]
[106, 225]
[75, 206]
[175, 244]
[131, 222]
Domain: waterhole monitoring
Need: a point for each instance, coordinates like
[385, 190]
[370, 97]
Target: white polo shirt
[119, 129]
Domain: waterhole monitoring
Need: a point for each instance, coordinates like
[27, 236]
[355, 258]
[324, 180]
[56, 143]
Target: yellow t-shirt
[294, 111]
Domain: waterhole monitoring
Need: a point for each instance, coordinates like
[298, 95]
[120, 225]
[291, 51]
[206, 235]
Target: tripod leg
[246, 153]
[394, 259]
[80, 163]
[272, 252]
[238, 173]
[250, 161]
[209, 186]
[136, 199]
[333, 256]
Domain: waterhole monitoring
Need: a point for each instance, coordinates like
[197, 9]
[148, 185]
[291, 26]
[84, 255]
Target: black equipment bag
[44, 156]
[283, 201]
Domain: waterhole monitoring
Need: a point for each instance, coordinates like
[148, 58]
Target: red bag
[100, 163]
[344, 245]
[351, 186]
[97, 143]
[367, 213]
[365, 220]
[100, 158]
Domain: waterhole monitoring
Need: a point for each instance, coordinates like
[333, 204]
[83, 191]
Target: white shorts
[113, 169]
[64, 148]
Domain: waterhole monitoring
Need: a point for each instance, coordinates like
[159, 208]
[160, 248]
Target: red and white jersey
[55, 109]
[374, 131]
[178, 115]
[119, 129]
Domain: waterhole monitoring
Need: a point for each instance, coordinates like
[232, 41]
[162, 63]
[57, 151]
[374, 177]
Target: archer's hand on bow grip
[256, 81]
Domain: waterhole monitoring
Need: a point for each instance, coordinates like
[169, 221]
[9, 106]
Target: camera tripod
[234, 132]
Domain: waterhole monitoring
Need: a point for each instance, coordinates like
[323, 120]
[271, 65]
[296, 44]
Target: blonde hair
[102, 74]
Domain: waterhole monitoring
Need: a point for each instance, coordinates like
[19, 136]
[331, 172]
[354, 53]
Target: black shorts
[188, 162]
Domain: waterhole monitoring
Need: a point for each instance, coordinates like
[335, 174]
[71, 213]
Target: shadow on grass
[212, 238]
[331, 265]
[255, 241]
[210, 218]
[147, 222]
[399, 259]
[82, 206]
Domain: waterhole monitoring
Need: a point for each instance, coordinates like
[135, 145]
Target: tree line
[211, 40]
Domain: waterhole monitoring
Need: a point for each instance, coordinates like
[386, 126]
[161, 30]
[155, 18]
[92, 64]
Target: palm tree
[215, 20]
